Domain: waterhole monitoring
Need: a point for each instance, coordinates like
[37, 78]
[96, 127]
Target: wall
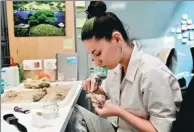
[156, 45]
[149, 22]
[184, 54]
[39, 47]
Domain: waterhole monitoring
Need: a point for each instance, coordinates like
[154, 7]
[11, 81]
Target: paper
[179, 36]
[184, 27]
[183, 22]
[32, 64]
[50, 64]
[80, 22]
[178, 30]
[185, 35]
[191, 35]
[189, 26]
[184, 40]
[185, 17]
[68, 44]
[189, 21]
[80, 3]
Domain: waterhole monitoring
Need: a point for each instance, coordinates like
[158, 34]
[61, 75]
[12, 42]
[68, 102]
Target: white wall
[155, 45]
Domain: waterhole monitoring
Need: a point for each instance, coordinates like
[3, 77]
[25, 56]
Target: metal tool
[99, 78]
[21, 110]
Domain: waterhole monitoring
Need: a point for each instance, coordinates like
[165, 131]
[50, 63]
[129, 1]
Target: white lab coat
[149, 90]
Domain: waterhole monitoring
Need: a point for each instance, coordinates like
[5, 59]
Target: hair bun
[96, 8]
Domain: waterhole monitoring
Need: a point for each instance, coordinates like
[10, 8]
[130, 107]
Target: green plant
[17, 19]
[60, 6]
[41, 17]
[18, 4]
[39, 5]
[20, 32]
[46, 30]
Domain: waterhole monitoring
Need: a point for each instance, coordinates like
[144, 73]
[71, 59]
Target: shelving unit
[4, 35]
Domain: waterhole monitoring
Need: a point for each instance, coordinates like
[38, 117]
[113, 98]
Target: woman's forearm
[140, 124]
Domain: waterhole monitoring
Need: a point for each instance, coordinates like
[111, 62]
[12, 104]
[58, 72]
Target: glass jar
[50, 109]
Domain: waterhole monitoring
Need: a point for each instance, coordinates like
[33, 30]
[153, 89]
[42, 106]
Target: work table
[58, 125]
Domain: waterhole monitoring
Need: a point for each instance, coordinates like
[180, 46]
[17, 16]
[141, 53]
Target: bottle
[11, 76]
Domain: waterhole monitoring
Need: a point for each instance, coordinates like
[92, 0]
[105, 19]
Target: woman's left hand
[107, 109]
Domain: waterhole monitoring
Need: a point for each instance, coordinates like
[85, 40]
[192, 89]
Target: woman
[143, 93]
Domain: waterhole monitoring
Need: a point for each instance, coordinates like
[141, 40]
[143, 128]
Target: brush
[12, 120]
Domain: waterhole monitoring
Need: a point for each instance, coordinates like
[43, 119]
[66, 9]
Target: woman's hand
[102, 107]
[91, 86]
[107, 109]
[97, 99]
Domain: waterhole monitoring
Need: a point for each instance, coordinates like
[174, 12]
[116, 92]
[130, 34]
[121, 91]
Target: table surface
[56, 125]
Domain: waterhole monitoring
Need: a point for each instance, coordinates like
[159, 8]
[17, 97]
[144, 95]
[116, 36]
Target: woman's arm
[142, 125]
[109, 110]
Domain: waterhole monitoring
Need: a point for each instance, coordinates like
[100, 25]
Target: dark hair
[101, 24]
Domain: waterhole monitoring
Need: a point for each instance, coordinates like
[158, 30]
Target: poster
[39, 18]
[50, 64]
[32, 64]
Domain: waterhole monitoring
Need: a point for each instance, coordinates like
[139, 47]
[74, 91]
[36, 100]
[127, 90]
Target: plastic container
[11, 76]
[2, 86]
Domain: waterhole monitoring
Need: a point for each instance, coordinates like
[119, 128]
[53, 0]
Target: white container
[11, 76]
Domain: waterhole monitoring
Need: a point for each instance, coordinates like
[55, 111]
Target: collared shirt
[149, 90]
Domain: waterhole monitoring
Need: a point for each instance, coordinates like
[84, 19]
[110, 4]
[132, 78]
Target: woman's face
[104, 53]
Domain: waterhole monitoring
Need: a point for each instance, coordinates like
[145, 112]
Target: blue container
[2, 86]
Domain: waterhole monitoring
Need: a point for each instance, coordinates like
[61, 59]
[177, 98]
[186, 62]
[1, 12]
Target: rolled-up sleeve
[161, 93]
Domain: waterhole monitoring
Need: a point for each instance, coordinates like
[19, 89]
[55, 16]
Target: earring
[119, 50]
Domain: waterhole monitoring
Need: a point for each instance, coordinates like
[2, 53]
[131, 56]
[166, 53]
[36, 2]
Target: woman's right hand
[90, 85]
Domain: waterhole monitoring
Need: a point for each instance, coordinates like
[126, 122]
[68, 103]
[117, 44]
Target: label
[71, 60]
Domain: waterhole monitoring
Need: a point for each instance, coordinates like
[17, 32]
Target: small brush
[12, 120]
